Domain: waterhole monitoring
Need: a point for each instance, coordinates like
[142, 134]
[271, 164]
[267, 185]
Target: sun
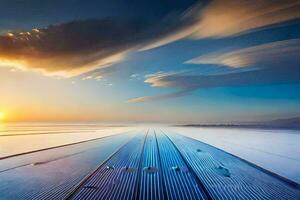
[2, 116]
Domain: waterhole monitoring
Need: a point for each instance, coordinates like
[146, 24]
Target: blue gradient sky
[142, 61]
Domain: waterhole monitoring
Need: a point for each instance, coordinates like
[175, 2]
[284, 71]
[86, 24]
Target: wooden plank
[53, 173]
[117, 178]
[179, 181]
[150, 185]
[227, 177]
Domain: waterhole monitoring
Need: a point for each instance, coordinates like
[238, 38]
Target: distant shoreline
[248, 126]
[287, 124]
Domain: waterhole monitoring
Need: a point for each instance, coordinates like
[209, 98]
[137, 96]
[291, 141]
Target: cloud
[275, 63]
[224, 18]
[183, 26]
[69, 49]
[189, 83]
[158, 97]
[81, 46]
[262, 55]
[135, 77]
[98, 78]
[78, 47]
[155, 79]
[256, 77]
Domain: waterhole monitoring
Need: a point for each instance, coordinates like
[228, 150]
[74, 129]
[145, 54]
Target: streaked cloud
[87, 78]
[81, 46]
[158, 97]
[68, 49]
[98, 78]
[135, 77]
[92, 76]
[187, 84]
[224, 18]
[155, 79]
[183, 26]
[274, 63]
[78, 47]
[262, 55]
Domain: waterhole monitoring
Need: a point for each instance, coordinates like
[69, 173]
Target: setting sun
[2, 116]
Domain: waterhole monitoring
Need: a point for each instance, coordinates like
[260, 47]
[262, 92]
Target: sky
[162, 61]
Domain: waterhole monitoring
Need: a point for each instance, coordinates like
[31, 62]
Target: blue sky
[158, 61]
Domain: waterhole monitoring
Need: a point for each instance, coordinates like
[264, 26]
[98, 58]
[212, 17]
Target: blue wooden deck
[159, 165]
[146, 165]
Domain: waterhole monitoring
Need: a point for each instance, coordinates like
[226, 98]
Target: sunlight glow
[10, 35]
[2, 116]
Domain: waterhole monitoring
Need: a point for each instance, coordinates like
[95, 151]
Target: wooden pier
[146, 164]
[158, 165]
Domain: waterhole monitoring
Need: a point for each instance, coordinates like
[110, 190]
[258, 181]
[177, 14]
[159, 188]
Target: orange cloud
[223, 18]
[69, 49]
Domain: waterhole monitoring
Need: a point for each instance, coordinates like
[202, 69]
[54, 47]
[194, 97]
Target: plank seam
[60, 146]
[82, 182]
[165, 196]
[199, 182]
[282, 179]
[137, 184]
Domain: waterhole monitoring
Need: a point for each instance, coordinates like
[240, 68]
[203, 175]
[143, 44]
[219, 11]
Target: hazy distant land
[290, 123]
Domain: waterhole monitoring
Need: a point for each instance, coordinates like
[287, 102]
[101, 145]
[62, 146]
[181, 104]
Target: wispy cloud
[87, 78]
[92, 76]
[79, 47]
[154, 80]
[68, 49]
[187, 84]
[135, 77]
[183, 26]
[82, 46]
[158, 97]
[262, 55]
[275, 63]
[223, 18]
